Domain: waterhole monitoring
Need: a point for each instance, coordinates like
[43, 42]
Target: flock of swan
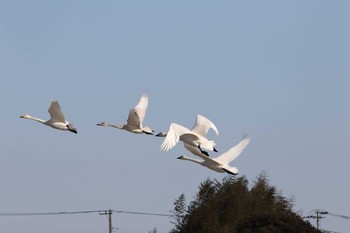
[194, 139]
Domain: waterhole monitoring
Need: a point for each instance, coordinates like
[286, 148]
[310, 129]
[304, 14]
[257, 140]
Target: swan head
[102, 124]
[161, 134]
[25, 116]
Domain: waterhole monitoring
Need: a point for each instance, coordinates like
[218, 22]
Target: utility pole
[317, 219]
[109, 213]
[318, 216]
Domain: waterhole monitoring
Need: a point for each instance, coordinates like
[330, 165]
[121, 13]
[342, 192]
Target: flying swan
[135, 119]
[220, 163]
[201, 127]
[195, 137]
[57, 120]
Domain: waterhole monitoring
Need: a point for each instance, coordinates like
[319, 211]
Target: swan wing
[133, 119]
[173, 136]
[56, 112]
[137, 114]
[141, 107]
[234, 151]
[202, 126]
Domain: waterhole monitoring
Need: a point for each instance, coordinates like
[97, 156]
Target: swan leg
[147, 132]
[231, 173]
[71, 128]
[203, 152]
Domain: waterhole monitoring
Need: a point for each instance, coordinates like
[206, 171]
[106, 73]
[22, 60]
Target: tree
[230, 206]
[178, 213]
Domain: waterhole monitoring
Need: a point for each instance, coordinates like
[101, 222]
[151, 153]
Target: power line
[338, 215]
[47, 213]
[142, 213]
[101, 212]
[80, 212]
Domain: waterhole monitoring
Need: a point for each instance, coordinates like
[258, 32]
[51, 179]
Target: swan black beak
[215, 149]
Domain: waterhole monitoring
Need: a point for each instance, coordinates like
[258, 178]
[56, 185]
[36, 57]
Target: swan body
[135, 119]
[194, 138]
[220, 163]
[57, 120]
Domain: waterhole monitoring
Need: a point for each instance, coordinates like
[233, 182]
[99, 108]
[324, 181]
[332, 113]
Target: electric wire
[142, 213]
[80, 212]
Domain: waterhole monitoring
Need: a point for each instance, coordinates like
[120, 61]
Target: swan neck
[192, 160]
[37, 119]
[115, 126]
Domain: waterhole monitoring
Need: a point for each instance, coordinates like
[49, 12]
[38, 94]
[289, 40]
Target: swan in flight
[57, 120]
[135, 119]
[201, 127]
[220, 163]
[195, 137]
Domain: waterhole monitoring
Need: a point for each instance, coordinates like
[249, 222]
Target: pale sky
[278, 71]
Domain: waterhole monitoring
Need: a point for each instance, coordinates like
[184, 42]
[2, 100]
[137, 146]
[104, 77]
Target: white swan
[135, 119]
[220, 163]
[57, 120]
[201, 127]
[195, 137]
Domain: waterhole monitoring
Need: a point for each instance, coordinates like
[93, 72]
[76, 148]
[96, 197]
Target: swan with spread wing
[57, 120]
[220, 163]
[134, 123]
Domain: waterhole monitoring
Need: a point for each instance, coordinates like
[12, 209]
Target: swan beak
[215, 149]
[180, 157]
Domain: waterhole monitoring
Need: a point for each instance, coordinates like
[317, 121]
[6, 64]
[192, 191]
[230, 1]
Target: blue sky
[278, 71]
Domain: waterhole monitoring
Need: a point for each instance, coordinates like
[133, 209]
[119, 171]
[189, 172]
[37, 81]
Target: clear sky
[277, 70]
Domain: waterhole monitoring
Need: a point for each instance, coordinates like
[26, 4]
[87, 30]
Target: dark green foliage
[179, 213]
[231, 206]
